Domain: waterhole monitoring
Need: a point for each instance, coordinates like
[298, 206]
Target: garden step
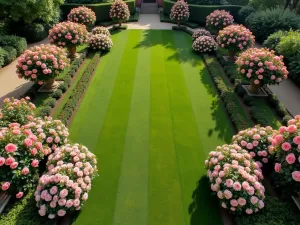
[4, 199]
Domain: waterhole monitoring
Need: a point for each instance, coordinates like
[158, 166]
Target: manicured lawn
[151, 115]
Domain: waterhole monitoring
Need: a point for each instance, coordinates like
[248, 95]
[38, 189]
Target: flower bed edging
[74, 100]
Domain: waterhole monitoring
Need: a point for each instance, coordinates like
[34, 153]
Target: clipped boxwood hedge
[101, 9]
[198, 13]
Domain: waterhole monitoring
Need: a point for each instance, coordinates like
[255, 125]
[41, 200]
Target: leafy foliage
[18, 43]
[274, 39]
[267, 22]
[244, 12]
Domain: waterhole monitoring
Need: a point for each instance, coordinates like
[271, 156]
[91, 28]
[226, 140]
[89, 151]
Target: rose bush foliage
[218, 20]
[256, 141]
[41, 63]
[101, 30]
[204, 44]
[199, 33]
[82, 15]
[16, 111]
[235, 179]
[180, 11]
[100, 42]
[262, 66]
[119, 11]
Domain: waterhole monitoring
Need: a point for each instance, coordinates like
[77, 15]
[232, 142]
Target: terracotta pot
[232, 55]
[254, 88]
[49, 84]
[72, 51]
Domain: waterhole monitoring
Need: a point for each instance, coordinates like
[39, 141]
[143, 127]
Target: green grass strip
[165, 200]
[132, 197]
[70, 90]
[99, 92]
[110, 144]
[188, 146]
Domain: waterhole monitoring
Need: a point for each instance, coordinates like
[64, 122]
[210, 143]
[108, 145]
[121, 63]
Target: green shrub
[18, 43]
[266, 4]
[259, 116]
[238, 2]
[281, 110]
[44, 111]
[244, 12]
[50, 102]
[63, 87]
[265, 23]
[34, 32]
[24, 212]
[289, 45]
[294, 67]
[285, 119]
[248, 100]
[2, 56]
[10, 54]
[67, 80]
[57, 94]
[4, 28]
[274, 39]
[275, 212]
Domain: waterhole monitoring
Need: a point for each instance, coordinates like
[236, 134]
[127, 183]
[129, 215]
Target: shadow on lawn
[204, 208]
[217, 108]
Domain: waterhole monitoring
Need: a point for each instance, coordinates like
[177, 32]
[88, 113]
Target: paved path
[11, 86]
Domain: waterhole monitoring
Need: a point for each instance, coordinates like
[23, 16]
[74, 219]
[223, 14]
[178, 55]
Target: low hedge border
[258, 115]
[50, 102]
[70, 107]
[101, 9]
[198, 13]
[166, 19]
[228, 96]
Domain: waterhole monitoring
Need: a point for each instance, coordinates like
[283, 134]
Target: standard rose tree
[204, 44]
[235, 39]
[218, 20]
[69, 35]
[235, 179]
[64, 187]
[119, 12]
[100, 42]
[20, 154]
[256, 141]
[16, 111]
[180, 12]
[42, 63]
[261, 67]
[101, 30]
[286, 145]
[82, 15]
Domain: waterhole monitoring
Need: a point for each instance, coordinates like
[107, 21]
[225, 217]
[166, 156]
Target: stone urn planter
[254, 88]
[72, 51]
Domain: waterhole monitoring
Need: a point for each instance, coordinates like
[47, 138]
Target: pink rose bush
[256, 141]
[16, 111]
[204, 44]
[82, 15]
[119, 11]
[68, 34]
[20, 154]
[262, 66]
[101, 30]
[235, 38]
[286, 147]
[180, 12]
[100, 42]
[42, 63]
[53, 132]
[199, 33]
[64, 187]
[235, 179]
[219, 19]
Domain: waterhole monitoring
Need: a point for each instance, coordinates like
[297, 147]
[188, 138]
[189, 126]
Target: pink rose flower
[290, 158]
[61, 212]
[286, 146]
[10, 147]
[19, 195]
[5, 186]
[296, 176]
[35, 163]
[25, 171]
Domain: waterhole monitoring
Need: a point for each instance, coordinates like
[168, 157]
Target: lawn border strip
[72, 104]
[228, 97]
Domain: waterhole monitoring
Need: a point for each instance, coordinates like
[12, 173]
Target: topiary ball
[100, 42]
[204, 44]
[199, 33]
[101, 30]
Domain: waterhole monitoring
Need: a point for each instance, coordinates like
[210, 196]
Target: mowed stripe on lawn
[109, 142]
[212, 123]
[165, 200]
[132, 198]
